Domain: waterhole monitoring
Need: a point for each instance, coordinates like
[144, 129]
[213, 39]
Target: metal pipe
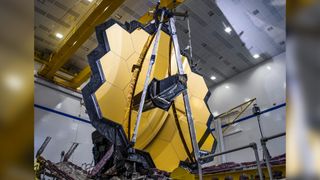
[260, 128]
[43, 146]
[144, 92]
[189, 35]
[273, 137]
[267, 156]
[251, 145]
[220, 137]
[266, 152]
[255, 150]
[185, 96]
[226, 152]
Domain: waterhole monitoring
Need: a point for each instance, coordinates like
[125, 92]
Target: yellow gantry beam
[43, 62]
[71, 45]
[76, 81]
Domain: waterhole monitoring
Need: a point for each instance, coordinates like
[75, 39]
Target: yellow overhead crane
[79, 35]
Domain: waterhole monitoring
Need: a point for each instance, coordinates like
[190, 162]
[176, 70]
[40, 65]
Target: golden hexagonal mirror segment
[110, 88]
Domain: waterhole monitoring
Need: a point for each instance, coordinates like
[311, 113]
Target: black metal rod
[273, 137]
[260, 128]
[251, 145]
[227, 152]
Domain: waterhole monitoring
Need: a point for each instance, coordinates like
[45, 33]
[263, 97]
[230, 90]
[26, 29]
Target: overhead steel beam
[76, 81]
[103, 11]
[169, 4]
[43, 62]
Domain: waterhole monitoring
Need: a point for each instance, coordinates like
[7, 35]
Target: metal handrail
[265, 139]
[251, 145]
[266, 152]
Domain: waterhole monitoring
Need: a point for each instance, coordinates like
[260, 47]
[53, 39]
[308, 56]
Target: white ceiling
[258, 26]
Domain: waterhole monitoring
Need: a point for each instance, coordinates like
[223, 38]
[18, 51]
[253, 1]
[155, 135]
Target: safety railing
[251, 145]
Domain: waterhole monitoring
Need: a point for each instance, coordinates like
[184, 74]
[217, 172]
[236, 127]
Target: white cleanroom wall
[59, 113]
[267, 83]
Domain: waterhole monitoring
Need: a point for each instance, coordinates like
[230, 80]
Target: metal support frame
[174, 38]
[219, 134]
[246, 105]
[251, 145]
[70, 151]
[43, 146]
[259, 124]
[189, 36]
[265, 151]
[176, 118]
[186, 97]
[144, 92]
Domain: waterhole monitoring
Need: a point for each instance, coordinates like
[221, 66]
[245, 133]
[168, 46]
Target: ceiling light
[227, 87]
[213, 78]
[228, 29]
[90, 0]
[268, 67]
[256, 56]
[58, 35]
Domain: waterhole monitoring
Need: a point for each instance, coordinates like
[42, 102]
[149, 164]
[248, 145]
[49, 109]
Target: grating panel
[44, 28]
[130, 11]
[70, 11]
[62, 23]
[243, 58]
